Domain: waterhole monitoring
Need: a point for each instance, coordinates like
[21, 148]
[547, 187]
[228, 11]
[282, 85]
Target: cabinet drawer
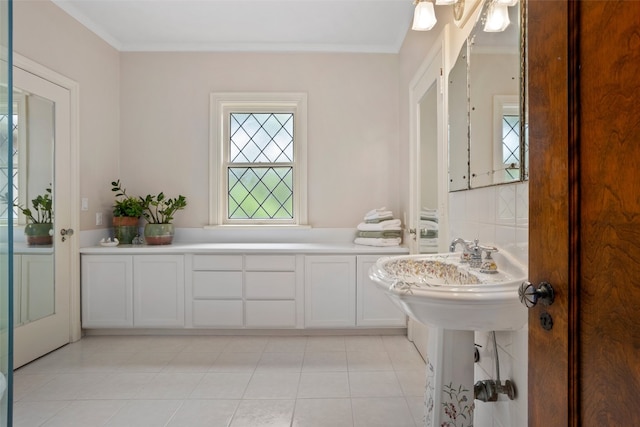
[270, 284]
[217, 284]
[220, 314]
[271, 314]
[270, 262]
[217, 262]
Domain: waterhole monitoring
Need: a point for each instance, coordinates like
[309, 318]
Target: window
[258, 159]
[17, 160]
[506, 128]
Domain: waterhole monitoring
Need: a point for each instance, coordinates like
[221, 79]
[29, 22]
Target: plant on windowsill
[39, 228]
[127, 211]
[159, 210]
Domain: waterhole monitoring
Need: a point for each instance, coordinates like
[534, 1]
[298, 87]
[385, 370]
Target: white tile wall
[498, 216]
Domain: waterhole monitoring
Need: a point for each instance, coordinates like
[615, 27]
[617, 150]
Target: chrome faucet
[472, 254]
[466, 248]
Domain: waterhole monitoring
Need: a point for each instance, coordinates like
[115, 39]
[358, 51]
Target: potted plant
[127, 211]
[158, 211]
[39, 228]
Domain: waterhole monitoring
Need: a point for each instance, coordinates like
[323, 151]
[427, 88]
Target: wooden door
[584, 124]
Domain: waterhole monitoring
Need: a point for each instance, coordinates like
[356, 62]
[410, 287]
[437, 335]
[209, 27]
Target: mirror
[487, 78]
[33, 141]
[459, 123]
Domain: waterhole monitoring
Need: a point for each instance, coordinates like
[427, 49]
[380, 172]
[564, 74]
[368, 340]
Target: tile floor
[252, 381]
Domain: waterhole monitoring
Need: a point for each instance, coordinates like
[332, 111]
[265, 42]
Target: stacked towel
[428, 230]
[379, 228]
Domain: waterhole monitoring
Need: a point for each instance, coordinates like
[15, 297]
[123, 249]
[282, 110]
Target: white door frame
[73, 87]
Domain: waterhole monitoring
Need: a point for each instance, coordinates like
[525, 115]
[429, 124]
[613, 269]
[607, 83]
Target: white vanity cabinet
[330, 291]
[123, 291]
[107, 291]
[158, 291]
[215, 291]
[242, 291]
[373, 307]
[270, 291]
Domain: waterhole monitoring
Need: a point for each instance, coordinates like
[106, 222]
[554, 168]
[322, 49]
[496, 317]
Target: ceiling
[377, 26]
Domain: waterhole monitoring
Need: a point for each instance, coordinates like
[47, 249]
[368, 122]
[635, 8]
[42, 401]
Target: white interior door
[44, 132]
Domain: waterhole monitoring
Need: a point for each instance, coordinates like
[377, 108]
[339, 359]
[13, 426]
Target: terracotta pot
[39, 234]
[125, 228]
[158, 234]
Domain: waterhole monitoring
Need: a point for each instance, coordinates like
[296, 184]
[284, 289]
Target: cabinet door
[107, 291]
[374, 308]
[158, 290]
[330, 291]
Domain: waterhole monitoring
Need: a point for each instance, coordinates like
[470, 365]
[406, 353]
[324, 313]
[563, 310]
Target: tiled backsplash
[498, 216]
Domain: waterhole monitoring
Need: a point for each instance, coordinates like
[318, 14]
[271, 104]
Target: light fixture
[497, 17]
[424, 16]
[447, 2]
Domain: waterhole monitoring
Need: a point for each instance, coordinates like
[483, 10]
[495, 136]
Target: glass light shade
[497, 18]
[507, 2]
[424, 17]
[447, 2]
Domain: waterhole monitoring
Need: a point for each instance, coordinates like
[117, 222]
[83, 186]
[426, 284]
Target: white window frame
[503, 105]
[221, 106]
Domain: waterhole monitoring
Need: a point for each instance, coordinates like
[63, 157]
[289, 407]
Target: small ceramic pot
[158, 234]
[39, 234]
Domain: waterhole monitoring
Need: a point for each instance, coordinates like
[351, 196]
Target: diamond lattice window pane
[261, 138]
[260, 193]
[5, 162]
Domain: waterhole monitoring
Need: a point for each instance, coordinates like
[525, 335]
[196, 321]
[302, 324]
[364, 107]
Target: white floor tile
[236, 362]
[325, 344]
[280, 362]
[381, 412]
[368, 361]
[83, 413]
[332, 381]
[221, 385]
[276, 385]
[191, 362]
[325, 361]
[374, 384]
[117, 386]
[170, 386]
[323, 413]
[204, 413]
[323, 384]
[264, 413]
[30, 414]
[246, 344]
[144, 413]
[286, 345]
[413, 383]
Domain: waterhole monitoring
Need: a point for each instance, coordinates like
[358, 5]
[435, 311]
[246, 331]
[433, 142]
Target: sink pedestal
[449, 398]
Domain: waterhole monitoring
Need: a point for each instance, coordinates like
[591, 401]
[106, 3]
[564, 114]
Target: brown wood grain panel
[610, 213]
[548, 207]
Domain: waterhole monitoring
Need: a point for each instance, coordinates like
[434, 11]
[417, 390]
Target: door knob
[66, 232]
[530, 295]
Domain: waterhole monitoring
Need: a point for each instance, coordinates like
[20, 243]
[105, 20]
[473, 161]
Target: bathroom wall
[353, 125]
[498, 216]
[45, 34]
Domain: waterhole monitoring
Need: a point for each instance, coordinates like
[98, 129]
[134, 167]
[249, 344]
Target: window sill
[256, 226]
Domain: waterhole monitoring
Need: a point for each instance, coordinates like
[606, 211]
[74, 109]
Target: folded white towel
[379, 215]
[366, 241]
[429, 225]
[375, 211]
[390, 224]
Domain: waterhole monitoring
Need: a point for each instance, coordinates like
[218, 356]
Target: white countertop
[243, 248]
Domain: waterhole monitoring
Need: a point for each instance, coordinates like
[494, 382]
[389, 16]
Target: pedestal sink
[455, 300]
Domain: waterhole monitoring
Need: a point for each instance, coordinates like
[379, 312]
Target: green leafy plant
[42, 212]
[160, 209]
[125, 205]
